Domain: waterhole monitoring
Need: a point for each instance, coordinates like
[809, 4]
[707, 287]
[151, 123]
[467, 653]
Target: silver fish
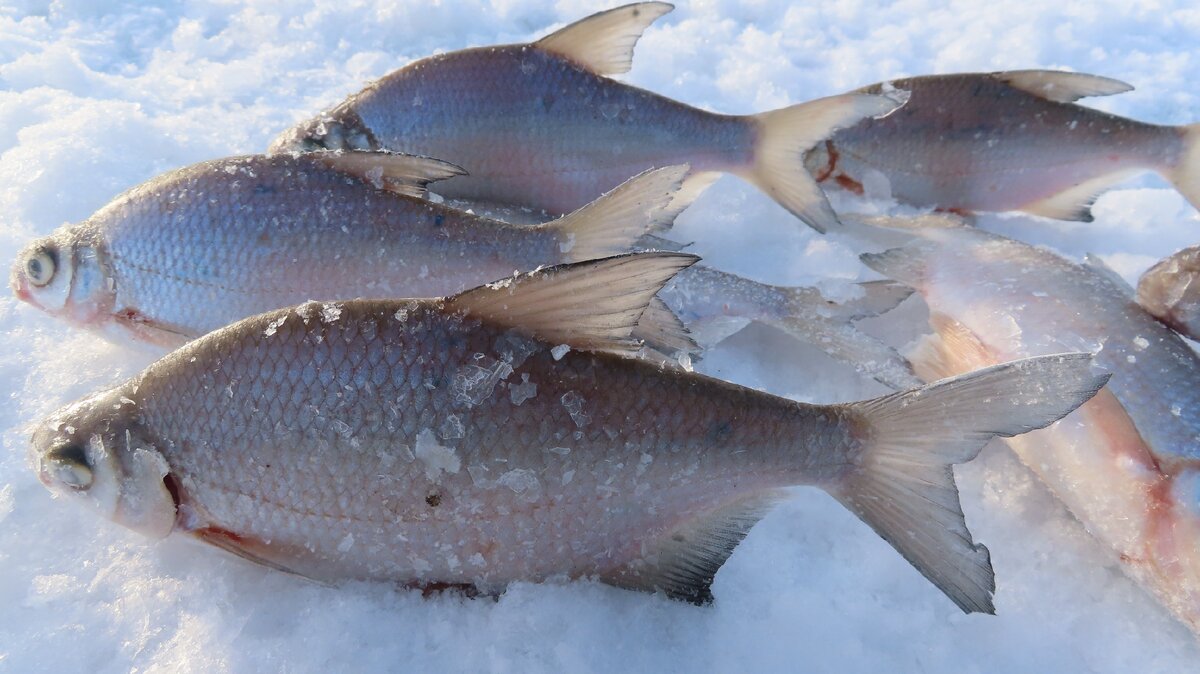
[201, 247]
[503, 434]
[1005, 141]
[1127, 464]
[1169, 291]
[542, 125]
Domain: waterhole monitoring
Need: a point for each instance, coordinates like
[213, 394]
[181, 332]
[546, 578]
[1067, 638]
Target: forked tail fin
[785, 135]
[903, 484]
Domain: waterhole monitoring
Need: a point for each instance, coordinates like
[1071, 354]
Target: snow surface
[98, 95]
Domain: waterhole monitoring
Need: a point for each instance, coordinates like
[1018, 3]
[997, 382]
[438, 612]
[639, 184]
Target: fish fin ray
[683, 562]
[903, 485]
[399, 173]
[604, 42]
[1075, 203]
[593, 305]
[1186, 174]
[661, 330]
[785, 135]
[614, 222]
[1060, 86]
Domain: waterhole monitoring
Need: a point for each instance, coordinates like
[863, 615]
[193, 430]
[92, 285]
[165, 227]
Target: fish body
[1127, 463]
[503, 434]
[1169, 291]
[201, 247]
[1005, 141]
[541, 125]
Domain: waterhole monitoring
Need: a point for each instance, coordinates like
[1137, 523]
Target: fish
[1168, 290]
[1004, 141]
[505, 434]
[1126, 463]
[198, 248]
[543, 125]
[714, 304]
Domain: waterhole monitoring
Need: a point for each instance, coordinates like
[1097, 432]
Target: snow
[99, 95]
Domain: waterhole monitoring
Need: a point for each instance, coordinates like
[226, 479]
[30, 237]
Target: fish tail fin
[616, 221]
[810, 316]
[903, 483]
[785, 135]
[1186, 174]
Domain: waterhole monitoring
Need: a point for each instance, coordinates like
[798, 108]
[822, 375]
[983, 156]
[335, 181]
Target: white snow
[99, 95]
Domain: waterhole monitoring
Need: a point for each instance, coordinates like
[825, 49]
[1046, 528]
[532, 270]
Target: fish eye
[69, 465]
[40, 267]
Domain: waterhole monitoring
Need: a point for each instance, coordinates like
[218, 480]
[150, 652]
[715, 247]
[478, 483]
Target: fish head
[93, 452]
[340, 129]
[64, 275]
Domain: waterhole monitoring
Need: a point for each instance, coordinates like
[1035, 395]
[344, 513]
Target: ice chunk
[523, 482]
[436, 457]
[519, 393]
[559, 351]
[573, 402]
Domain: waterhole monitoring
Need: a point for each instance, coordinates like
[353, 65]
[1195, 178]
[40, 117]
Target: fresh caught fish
[541, 124]
[1005, 141]
[503, 434]
[1169, 291]
[1126, 464]
[199, 248]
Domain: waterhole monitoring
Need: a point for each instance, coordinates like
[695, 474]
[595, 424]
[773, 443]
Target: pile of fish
[366, 383]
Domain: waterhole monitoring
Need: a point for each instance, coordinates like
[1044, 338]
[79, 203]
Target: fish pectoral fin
[683, 562]
[145, 329]
[617, 220]
[1062, 87]
[604, 42]
[593, 306]
[661, 330]
[1099, 266]
[1075, 203]
[246, 548]
[399, 173]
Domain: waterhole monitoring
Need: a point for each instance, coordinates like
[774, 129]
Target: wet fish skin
[1005, 141]
[398, 440]
[201, 247]
[1126, 463]
[1169, 291]
[540, 125]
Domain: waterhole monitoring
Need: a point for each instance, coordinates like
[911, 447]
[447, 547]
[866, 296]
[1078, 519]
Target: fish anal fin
[593, 305]
[604, 42]
[1075, 203]
[399, 173]
[1062, 87]
[683, 561]
[906, 264]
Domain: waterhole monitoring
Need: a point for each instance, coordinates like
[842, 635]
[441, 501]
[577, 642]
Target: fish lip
[21, 289]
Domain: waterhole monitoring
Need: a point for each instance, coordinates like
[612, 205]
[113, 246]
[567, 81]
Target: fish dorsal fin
[1062, 87]
[400, 173]
[604, 42]
[681, 563]
[592, 305]
[1094, 263]
[615, 221]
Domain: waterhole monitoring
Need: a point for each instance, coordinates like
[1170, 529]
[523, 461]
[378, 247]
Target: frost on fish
[1124, 463]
